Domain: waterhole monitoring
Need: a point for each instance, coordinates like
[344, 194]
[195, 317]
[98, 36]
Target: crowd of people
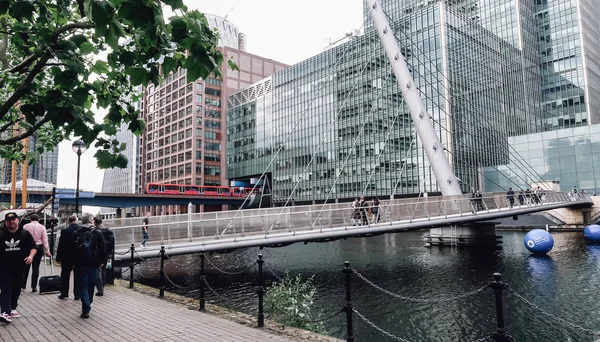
[84, 249]
[363, 210]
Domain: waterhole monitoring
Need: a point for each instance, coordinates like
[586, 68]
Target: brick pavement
[121, 315]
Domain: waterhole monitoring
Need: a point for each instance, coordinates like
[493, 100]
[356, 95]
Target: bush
[290, 302]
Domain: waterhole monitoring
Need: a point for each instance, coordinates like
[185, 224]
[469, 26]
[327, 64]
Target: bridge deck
[226, 230]
[121, 315]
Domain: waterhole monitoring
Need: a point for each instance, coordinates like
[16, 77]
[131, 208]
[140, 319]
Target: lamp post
[78, 147]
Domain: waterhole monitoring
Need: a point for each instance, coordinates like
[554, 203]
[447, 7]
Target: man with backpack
[109, 243]
[89, 254]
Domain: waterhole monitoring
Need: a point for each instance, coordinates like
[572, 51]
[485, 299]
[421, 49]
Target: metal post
[161, 292]
[497, 285]
[52, 238]
[202, 280]
[131, 266]
[77, 190]
[260, 292]
[348, 308]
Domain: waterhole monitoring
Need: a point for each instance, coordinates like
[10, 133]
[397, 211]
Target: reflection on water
[563, 284]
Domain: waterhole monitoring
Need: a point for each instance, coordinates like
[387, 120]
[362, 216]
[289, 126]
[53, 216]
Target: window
[212, 170]
[212, 157]
[210, 135]
[210, 124]
[213, 92]
[199, 155]
[198, 132]
[198, 143]
[199, 98]
[198, 168]
[212, 147]
[211, 102]
[199, 86]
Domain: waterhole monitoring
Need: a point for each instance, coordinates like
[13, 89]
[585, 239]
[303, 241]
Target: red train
[203, 190]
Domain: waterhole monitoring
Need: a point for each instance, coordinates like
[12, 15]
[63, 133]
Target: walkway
[121, 315]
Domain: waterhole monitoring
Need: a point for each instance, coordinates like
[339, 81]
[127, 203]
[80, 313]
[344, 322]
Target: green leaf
[178, 29]
[137, 75]
[22, 10]
[175, 4]
[109, 129]
[80, 95]
[101, 67]
[169, 65]
[86, 48]
[78, 39]
[232, 65]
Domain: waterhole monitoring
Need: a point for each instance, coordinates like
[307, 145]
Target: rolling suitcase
[49, 283]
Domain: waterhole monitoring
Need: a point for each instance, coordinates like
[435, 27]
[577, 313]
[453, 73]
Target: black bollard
[348, 308]
[202, 299]
[131, 266]
[260, 292]
[497, 285]
[161, 292]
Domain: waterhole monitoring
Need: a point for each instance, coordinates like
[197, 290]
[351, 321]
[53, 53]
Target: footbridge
[273, 227]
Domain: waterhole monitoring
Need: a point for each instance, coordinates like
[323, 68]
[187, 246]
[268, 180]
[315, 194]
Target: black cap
[11, 215]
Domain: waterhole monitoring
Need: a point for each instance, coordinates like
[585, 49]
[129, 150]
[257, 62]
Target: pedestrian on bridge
[65, 258]
[510, 195]
[145, 236]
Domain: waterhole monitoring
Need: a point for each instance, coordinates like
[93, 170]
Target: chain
[561, 320]
[234, 272]
[136, 253]
[394, 337]
[216, 294]
[177, 286]
[273, 273]
[138, 272]
[420, 300]
[127, 251]
[172, 260]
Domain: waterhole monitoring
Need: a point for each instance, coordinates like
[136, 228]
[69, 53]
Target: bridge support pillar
[479, 234]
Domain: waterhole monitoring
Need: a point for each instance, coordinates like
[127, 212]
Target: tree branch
[27, 133]
[26, 63]
[16, 96]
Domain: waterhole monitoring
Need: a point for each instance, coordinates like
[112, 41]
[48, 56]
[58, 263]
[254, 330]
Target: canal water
[564, 285]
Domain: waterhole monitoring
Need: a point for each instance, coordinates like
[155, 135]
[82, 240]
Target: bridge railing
[234, 225]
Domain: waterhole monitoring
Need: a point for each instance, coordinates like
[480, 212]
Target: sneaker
[85, 315]
[15, 314]
[62, 297]
[99, 294]
[5, 318]
[34, 290]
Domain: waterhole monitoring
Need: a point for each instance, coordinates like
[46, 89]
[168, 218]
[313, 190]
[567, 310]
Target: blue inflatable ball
[592, 233]
[538, 241]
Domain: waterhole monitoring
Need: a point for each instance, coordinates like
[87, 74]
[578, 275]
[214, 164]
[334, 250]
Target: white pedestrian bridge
[279, 226]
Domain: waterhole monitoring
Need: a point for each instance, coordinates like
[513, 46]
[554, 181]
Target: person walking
[66, 260]
[145, 236]
[109, 241]
[510, 195]
[89, 252]
[17, 249]
[38, 231]
[375, 209]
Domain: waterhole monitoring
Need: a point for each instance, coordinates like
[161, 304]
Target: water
[564, 284]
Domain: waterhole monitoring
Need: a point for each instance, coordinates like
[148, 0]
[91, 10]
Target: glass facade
[44, 168]
[341, 128]
[567, 157]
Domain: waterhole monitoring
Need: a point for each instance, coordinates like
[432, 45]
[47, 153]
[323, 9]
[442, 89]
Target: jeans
[65, 276]
[144, 238]
[35, 266]
[86, 277]
[10, 288]
[101, 279]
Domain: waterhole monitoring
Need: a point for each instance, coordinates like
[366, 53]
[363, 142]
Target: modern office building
[123, 180]
[229, 34]
[336, 126]
[184, 141]
[44, 168]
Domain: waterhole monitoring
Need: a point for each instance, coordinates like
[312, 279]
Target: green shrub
[290, 302]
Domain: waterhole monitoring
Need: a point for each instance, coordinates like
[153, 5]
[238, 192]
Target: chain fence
[187, 289]
[552, 316]
[172, 261]
[230, 303]
[374, 326]
[231, 273]
[420, 300]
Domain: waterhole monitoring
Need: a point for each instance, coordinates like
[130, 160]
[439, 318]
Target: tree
[58, 58]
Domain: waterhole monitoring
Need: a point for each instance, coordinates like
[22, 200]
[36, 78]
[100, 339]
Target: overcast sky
[286, 31]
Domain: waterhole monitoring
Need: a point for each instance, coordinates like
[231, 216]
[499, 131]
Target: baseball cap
[10, 216]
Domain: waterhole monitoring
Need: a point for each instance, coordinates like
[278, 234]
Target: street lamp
[78, 147]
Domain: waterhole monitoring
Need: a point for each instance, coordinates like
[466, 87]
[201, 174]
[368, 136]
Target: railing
[497, 287]
[205, 227]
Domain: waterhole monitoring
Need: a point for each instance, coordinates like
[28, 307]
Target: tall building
[44, 168]
[336, 126]
[184, 141]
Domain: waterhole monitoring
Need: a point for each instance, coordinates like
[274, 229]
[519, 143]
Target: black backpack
[84, 245]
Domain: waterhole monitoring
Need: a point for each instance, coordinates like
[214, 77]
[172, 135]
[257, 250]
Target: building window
[199, 155]
[199, 86]
[210, 135]
[198, 143]
[212, 157]
[212, 124]
[212, 146]
[199, 98]
[198, 132]
[198, 168]
[212, 170]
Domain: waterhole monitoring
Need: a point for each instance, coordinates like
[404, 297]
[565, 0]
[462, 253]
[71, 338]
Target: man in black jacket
[109, 240]
[89, 254]
[64, 257]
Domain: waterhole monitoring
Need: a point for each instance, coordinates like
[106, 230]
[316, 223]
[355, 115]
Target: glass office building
[341, 129]
[565, 158]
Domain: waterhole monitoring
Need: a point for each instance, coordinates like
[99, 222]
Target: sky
[285, 31]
